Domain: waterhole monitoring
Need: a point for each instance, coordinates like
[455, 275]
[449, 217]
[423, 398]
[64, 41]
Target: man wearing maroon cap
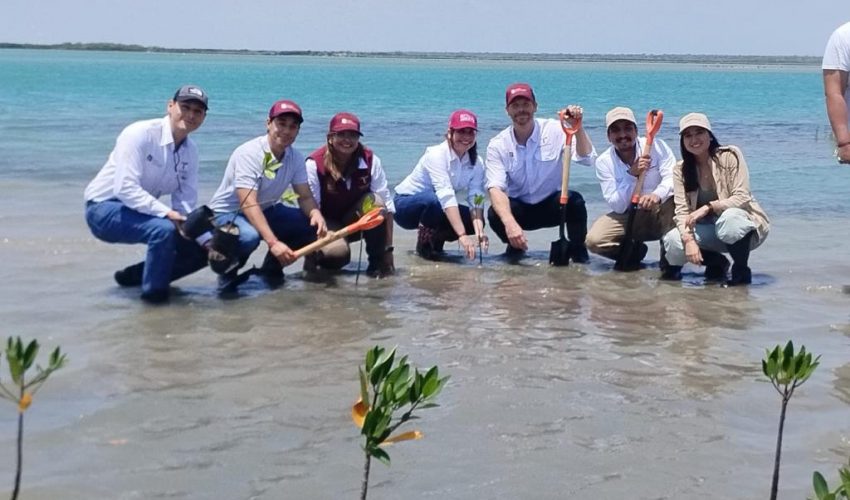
[523, 175]
[347, 179]
[258, 173]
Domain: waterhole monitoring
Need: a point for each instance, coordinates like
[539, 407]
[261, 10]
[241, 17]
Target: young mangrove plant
[822, 491]
[787, 371]
[20, 359]
[389, 386]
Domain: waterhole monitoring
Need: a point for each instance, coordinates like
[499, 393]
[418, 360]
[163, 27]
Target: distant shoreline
[750, 60]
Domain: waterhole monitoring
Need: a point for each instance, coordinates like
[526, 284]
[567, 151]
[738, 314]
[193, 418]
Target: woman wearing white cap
[715, 209]
[428, 198]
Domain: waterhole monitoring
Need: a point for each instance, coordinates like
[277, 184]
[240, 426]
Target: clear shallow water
[566, 383]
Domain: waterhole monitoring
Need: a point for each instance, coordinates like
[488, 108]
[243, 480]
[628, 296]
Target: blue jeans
[288, 224]
[169, 255]
[730, 226]
[424, 208]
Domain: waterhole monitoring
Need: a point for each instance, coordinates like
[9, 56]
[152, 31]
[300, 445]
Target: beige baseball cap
[619, 113]
[694, 120]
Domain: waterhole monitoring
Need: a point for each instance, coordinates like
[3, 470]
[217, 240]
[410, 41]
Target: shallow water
[571, 382]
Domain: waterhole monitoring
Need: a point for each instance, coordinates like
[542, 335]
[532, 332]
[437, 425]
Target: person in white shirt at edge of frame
[257, 174]
[152, 158]
[523, 175]
[347, 180]
[427, 199]
[836, 65]
[618, 169]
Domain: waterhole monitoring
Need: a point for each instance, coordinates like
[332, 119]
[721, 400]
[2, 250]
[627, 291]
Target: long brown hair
[689, 161]
[343, 170]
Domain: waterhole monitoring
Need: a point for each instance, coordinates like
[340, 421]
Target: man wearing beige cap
[836, 65]
[523, 175]
[618, 169]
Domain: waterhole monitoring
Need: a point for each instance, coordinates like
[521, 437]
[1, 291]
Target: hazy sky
[759, 27]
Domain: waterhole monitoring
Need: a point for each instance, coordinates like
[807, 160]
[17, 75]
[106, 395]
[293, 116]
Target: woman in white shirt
[427, 199]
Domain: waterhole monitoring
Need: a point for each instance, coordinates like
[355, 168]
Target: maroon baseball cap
[518, 90]
[283, 107]
[344, 121]
[463, 119]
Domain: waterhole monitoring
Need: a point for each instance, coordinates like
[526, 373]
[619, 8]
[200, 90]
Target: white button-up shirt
[532, 172]
[617, 183]
[378, 184]
[144, 165]
[245, 170]
[442, 171]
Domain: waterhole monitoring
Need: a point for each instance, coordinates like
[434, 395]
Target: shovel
[630, 249]
[370, 220]
[559, 252]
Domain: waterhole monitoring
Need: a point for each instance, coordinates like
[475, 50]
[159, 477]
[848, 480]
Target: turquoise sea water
[60, 111]
[567, 383]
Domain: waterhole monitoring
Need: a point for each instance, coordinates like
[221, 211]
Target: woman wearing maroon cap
[347, 179]
[427, 199]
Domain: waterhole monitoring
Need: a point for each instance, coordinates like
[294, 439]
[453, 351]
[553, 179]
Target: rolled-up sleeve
[495, 173]
[313, 180]
[379, 184]
[666, 162]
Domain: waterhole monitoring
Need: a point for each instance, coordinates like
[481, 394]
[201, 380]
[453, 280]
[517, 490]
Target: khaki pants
[609, 230]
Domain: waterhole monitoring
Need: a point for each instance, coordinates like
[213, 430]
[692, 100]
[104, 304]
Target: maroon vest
[337, 197]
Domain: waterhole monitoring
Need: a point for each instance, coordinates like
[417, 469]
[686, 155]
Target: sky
[727, 27]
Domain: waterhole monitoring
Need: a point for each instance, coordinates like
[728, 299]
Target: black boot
[271, 271]
[671, 273]
[716, 265]
[740, 253]
[130, 275]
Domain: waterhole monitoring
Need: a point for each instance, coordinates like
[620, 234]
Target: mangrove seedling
[20, 359]
[389, 386]
[787, 371]
[478, 201]
[822, 491]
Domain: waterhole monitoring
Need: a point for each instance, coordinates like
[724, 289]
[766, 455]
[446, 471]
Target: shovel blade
[631, 253]
[559, 253]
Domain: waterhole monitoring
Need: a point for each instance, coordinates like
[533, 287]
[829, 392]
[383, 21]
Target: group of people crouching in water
[699, 208]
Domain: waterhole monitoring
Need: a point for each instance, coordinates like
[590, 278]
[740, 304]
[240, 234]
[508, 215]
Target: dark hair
[689, 162]
[344, 170]
[472, 152]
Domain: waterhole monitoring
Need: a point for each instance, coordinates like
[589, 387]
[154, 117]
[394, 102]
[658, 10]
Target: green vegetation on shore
[749, 60]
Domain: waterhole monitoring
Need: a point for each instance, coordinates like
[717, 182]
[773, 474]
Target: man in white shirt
[523, 175]
[152, 158]
[249, 196]
[618, 169]
[836, 65]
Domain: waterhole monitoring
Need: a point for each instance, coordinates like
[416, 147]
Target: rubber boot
[130, 275]
[671, 273]
[740, 253]
[271, 271]
[576, 233]
[425, 242]
[716, 265]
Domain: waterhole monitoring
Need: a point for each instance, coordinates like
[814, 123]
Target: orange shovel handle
[653, 124]
[370, 220]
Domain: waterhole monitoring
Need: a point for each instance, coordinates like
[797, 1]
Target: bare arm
[834, 85]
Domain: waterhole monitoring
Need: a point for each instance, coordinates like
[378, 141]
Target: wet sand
[573, 382]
